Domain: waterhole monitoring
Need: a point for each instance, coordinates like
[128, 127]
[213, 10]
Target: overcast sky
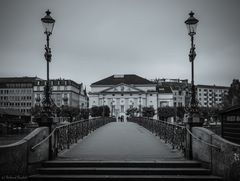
[93, 39]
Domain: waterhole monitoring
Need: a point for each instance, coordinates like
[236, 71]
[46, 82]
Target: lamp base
[195, 120]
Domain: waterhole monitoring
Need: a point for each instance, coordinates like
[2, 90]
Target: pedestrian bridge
[121, 141]
[141, 147]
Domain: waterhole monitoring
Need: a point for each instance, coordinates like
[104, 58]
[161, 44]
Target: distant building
[180, 89]
[64, 93]
[211, 95]
[121, 92]
[16, 94]
[83, 98]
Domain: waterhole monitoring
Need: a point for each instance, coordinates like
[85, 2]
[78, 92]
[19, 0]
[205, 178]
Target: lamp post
[103, 113]
[112, 108]
[194, 118]
[191, 23]
[48, 24]
[140, 106]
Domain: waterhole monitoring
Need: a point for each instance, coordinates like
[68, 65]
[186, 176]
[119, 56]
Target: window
[122, 108]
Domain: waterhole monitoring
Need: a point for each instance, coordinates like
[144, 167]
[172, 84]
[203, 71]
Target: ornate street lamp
[103, 113]
[191, 23]
[48, 24]
[140, 106]
[46, 118]
[112, 107]
[194, 117]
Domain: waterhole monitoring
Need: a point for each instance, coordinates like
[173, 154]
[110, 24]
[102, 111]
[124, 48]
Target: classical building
[64, 92]
[211, 95]
[16, 93]
[120, 92]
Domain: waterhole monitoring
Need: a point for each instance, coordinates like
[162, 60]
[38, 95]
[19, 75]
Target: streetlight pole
[103, 113]
[112, 108]
[48, 24]
[194, 118]
[191, 23]
[140, 106]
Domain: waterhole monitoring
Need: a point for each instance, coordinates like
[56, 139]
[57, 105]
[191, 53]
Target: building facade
[180, 88]
[211, 96]
[64, 93]
[16, 93]
[121, 92]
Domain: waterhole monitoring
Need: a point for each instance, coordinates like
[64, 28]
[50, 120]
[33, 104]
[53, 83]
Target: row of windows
[213, 90]
[210, 99]
[127, 94]
[53, 88]
[210, 95]
[12, 104]
[16, 91]
[19, 85]
[16, 98]
[51, 82]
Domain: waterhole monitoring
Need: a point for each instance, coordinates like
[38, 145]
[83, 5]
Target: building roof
[126, 79]
[62, 82]
[6, 82]
[164, 89]
[176, 85]
[18, 79]
[235, 108]
[212, 87]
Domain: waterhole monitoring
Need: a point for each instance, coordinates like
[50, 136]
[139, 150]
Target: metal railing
[65, 135]
[170, 133]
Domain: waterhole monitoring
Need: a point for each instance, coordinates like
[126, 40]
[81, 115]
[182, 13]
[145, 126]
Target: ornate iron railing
[170, 133]
[64, 136]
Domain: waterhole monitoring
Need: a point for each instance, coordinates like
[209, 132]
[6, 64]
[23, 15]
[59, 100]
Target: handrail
[167, 123]
[65, 135]
[50, 135]
[45, 139]
[209, 144]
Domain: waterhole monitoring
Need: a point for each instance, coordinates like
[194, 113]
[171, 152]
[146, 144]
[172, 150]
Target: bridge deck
[121, 141]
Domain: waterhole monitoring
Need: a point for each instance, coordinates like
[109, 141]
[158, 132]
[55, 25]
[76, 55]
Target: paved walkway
[121, 141]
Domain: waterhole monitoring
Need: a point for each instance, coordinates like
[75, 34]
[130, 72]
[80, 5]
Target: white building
[64, 92]
[211, 96]
[120, 92]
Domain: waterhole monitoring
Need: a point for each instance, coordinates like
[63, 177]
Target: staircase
[123, 170]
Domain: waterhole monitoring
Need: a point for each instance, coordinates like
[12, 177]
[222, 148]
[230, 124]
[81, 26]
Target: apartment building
[211, 95]
[16, 93]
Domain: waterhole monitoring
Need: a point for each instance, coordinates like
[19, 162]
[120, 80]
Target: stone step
[127, 164]
[125, 177]
[124, 171]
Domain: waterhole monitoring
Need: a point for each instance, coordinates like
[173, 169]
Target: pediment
[122, 88]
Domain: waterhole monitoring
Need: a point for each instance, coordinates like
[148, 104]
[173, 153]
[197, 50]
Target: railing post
[68, 136]
[188, 142]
